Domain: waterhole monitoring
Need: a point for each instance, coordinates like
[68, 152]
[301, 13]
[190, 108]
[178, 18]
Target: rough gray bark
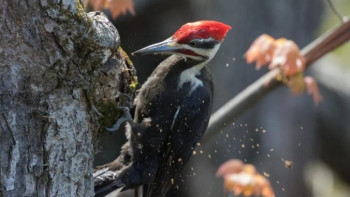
[56, 64]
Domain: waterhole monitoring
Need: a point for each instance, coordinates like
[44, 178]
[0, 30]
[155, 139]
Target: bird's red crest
[201, 29]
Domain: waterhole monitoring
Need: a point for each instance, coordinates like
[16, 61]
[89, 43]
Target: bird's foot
[95, 110]
[125, 99]
[126, 117]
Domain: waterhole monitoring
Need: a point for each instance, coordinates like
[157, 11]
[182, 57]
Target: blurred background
[281, 127]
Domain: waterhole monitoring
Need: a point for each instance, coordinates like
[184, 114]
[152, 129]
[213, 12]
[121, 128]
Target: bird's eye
[193, 43]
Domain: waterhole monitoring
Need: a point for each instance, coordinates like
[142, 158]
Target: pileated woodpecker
[172, 111]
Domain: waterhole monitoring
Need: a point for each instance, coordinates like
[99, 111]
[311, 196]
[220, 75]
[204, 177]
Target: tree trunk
[56, 64]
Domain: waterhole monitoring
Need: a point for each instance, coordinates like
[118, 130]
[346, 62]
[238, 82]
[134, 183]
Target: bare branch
[264, 85]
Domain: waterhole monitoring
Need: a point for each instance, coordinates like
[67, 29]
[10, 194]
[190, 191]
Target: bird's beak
[166, 46]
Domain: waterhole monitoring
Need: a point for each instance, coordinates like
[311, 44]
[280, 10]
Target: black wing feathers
[185, 134]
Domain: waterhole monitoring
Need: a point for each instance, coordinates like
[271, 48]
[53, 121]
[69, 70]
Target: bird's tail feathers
[139, 191]
[105, 181]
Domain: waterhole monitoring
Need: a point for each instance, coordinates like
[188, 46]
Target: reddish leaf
[263, 187]
[296, 83]
[261, 50]
[116, 7]
[243, 179]
[284, 54]
[279, 53]
[230, 167]
[312, 88]
[288, 57]
[97, 4]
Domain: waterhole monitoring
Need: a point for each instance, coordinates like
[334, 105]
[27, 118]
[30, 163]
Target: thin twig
[335, 11]
[264, 85]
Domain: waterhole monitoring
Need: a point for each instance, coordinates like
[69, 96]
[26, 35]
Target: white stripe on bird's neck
[190, 75]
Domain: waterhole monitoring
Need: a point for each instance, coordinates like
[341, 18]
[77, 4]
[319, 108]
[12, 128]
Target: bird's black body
[179, 117]
[169, 122]
[172, 112]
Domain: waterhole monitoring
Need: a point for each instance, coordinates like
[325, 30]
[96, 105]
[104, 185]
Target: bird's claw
[128, 99]
[126, 117]
[95, 110]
